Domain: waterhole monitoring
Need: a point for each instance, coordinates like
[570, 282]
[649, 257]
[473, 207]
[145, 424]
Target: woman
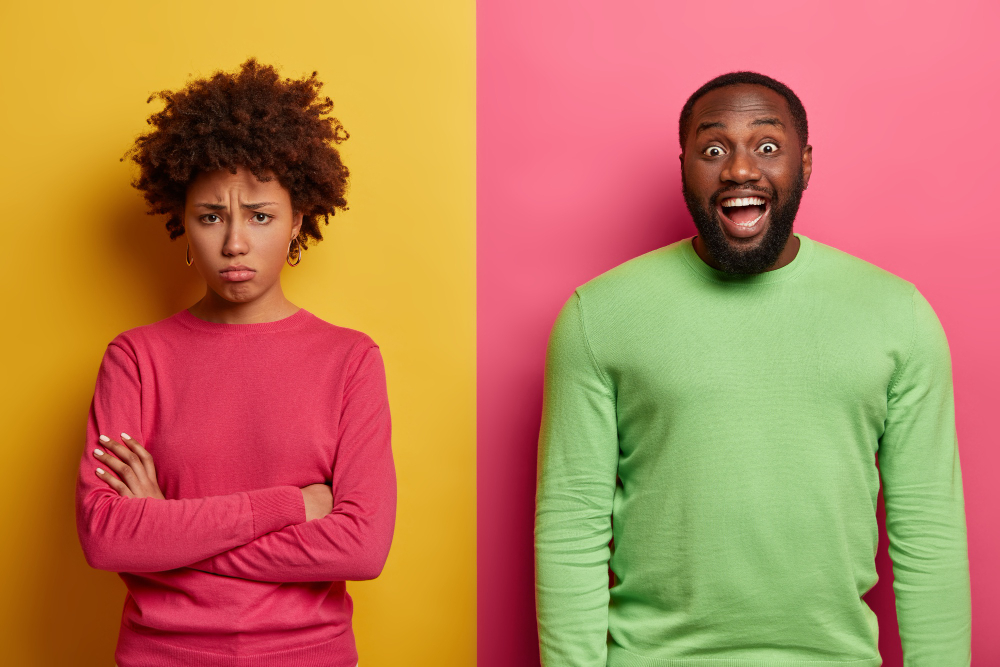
[273, 481]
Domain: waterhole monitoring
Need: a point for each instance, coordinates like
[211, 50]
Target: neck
[789, 252]
[266, 308]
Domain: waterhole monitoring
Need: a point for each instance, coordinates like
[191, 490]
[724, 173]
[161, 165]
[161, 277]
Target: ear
[807, 165]
[296, 225]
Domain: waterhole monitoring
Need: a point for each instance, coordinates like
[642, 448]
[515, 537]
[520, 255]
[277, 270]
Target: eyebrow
[708, 126]
[250, 206]
[776, 122]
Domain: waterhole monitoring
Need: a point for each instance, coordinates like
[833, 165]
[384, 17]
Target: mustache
[721, 192]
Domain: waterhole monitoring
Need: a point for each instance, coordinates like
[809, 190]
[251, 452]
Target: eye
[210, 217]
[768, 148]
[262, 217]
[713, 151]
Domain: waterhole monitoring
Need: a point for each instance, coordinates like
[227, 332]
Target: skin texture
[742, 142]
[231, 220]
[133, 465]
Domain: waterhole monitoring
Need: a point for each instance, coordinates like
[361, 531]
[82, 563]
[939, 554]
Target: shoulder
[133, 341]
[635, 273]
[870, 296]
[623, 290]
[303, 332]
[336, 335]
[635, 283]
[860, 277]
[358, 352]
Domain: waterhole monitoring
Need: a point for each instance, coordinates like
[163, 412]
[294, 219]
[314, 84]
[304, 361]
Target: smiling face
[239, 230]
[743, 171]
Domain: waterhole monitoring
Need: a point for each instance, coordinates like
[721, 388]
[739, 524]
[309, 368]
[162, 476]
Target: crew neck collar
[801, 260]
[296, 319]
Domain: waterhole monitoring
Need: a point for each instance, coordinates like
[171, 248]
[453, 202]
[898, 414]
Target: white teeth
[750, 224]
[743, 201]
[733, 202]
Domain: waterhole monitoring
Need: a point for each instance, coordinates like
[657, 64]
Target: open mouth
[743, 212]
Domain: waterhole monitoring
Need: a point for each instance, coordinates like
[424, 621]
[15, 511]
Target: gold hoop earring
[188, 259]
[298, 253]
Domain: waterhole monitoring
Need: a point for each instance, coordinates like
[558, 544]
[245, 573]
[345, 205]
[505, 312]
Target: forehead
[216, 184]
[740, 105]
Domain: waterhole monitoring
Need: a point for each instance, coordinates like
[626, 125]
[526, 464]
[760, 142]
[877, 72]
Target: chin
[238, 293]
[743, 255]
[744, 243]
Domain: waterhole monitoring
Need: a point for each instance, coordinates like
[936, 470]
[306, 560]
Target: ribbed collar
[802, 259]
[298, 318]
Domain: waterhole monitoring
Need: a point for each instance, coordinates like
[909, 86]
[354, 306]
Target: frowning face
[743, 171]
[239, 229]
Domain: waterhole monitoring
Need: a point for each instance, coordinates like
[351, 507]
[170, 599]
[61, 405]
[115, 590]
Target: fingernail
[104, 438]
[126, 436]
[98, 452]
[100, 471]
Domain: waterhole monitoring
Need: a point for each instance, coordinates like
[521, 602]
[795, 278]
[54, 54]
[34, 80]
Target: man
[716, 407]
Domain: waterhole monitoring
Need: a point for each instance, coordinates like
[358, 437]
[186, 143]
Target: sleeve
[149, 534]
[352, 542]
[925, 515]
[577, 469]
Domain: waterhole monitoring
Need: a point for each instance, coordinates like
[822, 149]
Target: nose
[740, 168]
[236, 240]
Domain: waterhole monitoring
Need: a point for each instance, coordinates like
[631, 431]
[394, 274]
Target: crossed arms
[262, 534]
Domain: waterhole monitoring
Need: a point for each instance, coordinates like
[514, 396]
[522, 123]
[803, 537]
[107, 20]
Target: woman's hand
[318, 499]
[133, 465]
[137, 476]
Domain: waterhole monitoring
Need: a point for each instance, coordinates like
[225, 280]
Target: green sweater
[723, 430]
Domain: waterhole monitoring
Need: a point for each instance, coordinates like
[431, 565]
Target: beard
[731, 255]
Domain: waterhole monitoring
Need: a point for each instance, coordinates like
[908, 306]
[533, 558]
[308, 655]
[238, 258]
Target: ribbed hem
[189, 321]
[136, 650]
[619, 657]
[276, 507]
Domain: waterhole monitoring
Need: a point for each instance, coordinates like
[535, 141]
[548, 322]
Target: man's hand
[318, 499]
[133, 465]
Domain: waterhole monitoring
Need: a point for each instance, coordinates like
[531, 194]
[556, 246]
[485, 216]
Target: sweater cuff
[275, 508]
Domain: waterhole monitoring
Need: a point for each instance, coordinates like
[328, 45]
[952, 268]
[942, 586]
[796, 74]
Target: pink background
[578, 172]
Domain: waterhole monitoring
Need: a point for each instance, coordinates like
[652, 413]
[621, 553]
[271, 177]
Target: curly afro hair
[251, 119]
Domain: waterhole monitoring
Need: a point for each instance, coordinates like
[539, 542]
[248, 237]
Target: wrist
[275, 508]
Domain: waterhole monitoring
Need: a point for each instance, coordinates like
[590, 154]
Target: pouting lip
[238, 267]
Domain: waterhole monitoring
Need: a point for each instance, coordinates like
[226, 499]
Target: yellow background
[83, 262]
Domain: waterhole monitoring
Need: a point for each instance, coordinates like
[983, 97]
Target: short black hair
[735, 78]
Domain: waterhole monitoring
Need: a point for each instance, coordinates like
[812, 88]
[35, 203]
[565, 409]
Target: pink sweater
[238, 417]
